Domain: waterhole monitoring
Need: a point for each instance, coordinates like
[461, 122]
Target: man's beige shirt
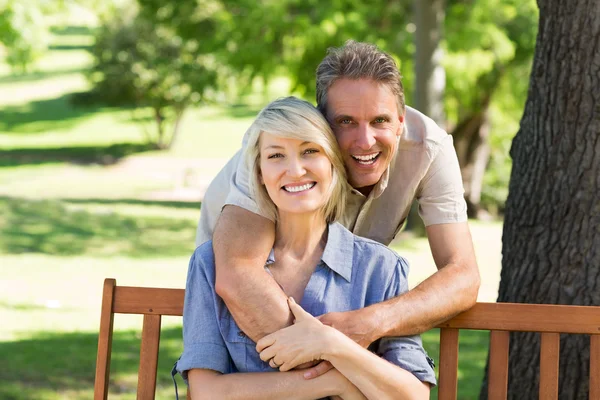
[425, 167]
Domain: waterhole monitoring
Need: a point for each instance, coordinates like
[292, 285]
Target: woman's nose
[296, 167]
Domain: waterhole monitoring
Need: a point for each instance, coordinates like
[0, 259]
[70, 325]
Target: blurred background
[116, 114]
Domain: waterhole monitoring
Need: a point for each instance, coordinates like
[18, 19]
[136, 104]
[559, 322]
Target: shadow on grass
[57, 228]
[70, 30]
[473, 350]
[44, 115]
[65, 362]
[235, 111]
[195, 205]
[103, 155]
[35, 76]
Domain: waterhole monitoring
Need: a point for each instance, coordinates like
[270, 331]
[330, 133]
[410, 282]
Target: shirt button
[241, 334]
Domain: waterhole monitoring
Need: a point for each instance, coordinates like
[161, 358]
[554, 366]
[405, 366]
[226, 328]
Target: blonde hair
[292, 118]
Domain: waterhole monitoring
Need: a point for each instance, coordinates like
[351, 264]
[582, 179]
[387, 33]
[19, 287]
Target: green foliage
[143, 64]
[22, 32]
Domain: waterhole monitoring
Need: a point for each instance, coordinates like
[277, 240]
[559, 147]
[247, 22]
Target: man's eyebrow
[342, 116]
[384, 116]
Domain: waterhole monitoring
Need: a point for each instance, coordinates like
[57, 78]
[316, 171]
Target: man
[393, 154]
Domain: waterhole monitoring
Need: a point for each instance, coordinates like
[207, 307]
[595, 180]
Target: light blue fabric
[354, 272]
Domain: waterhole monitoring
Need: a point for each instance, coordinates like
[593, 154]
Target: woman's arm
[208, 384]
[308, 339]
[375, 377]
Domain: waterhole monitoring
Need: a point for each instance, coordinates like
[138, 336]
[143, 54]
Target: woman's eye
[311, 151]
[275, 155]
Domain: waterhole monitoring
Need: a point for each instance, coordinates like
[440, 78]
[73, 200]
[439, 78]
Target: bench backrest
[499, 318]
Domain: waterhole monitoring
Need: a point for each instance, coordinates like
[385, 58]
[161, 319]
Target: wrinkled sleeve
[406, 352]
[441, 193]
[203, 344]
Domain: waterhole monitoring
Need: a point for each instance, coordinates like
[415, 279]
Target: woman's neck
[300, 235]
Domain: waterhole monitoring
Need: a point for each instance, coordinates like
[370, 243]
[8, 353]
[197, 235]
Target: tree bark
[551, 238]
[429, 72]
[471, 140]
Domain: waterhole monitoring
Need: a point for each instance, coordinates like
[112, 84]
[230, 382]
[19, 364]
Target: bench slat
[498, 369]
[595, 367]
[528, 318]
[448, 364]
[134, 300]
[149, 357]
[104, 341]
[549, 355]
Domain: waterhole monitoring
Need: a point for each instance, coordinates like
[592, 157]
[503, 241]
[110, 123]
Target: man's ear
[400, 126]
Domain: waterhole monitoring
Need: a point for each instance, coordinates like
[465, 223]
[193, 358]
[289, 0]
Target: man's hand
[359, 325]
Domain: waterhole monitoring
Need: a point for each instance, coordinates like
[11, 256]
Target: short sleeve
[441, 193]
[407, 351]
[203, 345]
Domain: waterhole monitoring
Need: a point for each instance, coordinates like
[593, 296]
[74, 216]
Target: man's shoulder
[420, 129]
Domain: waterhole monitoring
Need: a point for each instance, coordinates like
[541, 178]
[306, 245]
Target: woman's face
[296, 174]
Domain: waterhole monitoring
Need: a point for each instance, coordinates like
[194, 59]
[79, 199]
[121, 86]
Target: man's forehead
[351, 97]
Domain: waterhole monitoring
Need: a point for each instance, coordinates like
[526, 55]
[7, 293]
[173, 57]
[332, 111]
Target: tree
[551, 239]
[22, 32]
[139, 63]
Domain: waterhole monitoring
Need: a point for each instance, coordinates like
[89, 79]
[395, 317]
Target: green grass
[79, 203]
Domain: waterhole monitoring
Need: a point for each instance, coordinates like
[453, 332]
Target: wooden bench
[499, 318]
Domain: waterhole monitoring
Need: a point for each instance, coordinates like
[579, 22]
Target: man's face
[364, 117]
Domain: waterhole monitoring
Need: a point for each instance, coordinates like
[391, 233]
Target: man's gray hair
[357, 60]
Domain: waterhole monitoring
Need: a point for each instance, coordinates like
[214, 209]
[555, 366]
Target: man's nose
[365, 138]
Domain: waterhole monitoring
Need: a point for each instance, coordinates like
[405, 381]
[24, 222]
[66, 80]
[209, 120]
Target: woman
[298, 177]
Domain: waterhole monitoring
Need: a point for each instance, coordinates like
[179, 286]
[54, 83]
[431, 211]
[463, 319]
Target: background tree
[142, 64]
[551, 240]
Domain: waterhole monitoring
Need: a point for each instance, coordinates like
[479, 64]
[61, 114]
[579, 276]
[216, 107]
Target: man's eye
[345, 121]
[380, 120]
[275, 155]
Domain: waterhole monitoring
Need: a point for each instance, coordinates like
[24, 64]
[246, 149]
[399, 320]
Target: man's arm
[451, 290]
[242, 241]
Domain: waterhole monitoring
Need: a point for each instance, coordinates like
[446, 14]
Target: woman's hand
[306, 340]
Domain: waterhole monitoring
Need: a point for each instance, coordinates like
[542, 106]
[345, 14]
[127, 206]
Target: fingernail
[307, 375]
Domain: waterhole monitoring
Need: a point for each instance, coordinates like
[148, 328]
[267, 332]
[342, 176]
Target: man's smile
[366, 159]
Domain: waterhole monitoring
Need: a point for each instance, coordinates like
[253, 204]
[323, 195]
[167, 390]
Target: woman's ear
[260, 178]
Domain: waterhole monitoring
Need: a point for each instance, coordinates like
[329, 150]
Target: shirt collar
[338, 253]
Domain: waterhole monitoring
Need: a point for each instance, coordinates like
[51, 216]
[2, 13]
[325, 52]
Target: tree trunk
[429, 73]
[430, 77]
[471, 140]
[551, 238]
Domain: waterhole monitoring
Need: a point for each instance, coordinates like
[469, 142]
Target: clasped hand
[304, 341]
